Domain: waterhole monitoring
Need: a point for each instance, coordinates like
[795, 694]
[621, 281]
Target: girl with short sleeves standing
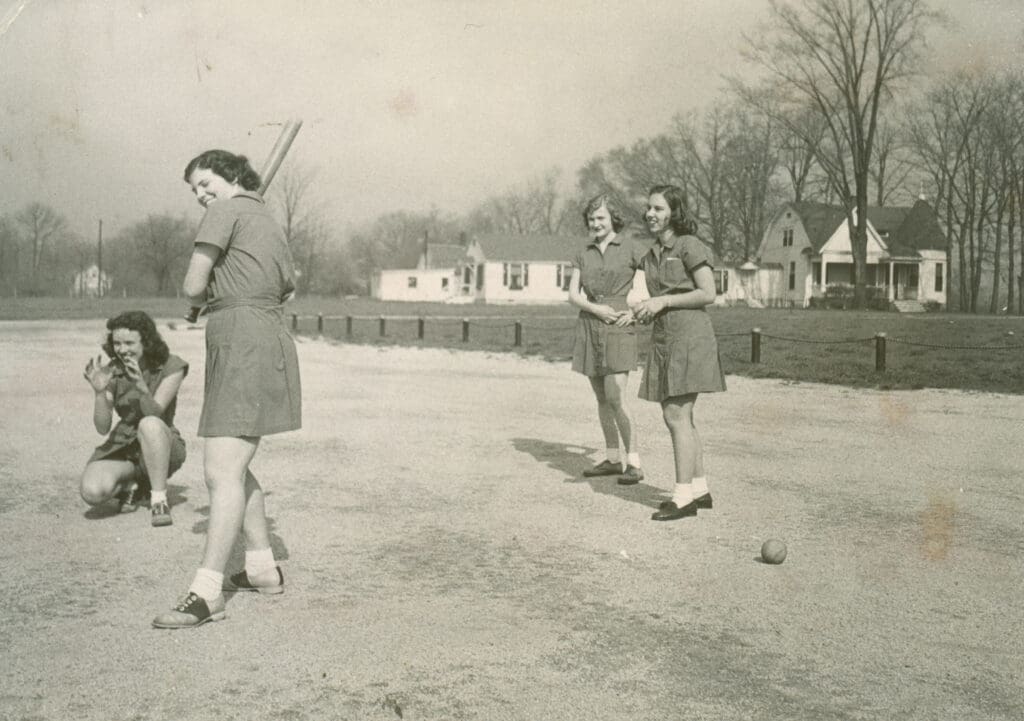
[241, 269]
[605, 345]
[684, 360]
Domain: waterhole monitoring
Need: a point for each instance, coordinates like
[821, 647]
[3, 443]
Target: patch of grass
[933, 350]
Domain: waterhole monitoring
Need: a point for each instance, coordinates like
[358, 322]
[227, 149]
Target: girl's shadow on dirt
[572, 460]
[175, 497]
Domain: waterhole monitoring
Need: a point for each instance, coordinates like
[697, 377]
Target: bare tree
[843, 58]
[751, 160]
[40, 225]
[8, 252]
[799, 143]
[704, 147]
[303, 220]
[628, 173]
[158, 246]
[534, 207]
[892, 166]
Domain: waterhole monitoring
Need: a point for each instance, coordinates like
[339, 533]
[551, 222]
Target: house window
[787, 238]
[444, 283]
[792, 275]
[516, 276]
[940, 278]
[412, 281]
[480, 276]
[563, 274]
[721, 281]
[467, 275]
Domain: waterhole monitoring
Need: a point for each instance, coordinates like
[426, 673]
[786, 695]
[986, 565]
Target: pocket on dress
[673, 273]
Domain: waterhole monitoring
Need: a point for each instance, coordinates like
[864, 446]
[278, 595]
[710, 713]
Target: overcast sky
[406, 104]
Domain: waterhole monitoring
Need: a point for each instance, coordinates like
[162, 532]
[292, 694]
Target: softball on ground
[773, 551]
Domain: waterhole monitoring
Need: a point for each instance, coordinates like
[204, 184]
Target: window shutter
[526, 274]
[504, 274]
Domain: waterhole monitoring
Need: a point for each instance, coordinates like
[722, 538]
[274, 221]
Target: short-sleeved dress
[601, 348]
[684, 352]
[123, 444]
[252, 370]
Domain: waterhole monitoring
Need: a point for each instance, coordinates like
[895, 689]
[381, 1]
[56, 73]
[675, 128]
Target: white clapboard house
[806, 251]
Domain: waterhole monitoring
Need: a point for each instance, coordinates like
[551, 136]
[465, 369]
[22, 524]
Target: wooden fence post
[419, 328]
[382, 326]
[295, 322]
[519, 334]
[465, 330]
[348, 326]
[320, 323]
[755, 345]
[879, 352]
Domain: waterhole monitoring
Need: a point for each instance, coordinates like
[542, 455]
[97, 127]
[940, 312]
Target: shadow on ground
[572, 460]
[175, 497]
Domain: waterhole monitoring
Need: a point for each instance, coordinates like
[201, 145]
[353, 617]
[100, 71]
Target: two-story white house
[806, 249]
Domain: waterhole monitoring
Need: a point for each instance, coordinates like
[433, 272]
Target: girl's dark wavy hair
[680, 220]
[154, 350]
[618, 220]
[233, 168]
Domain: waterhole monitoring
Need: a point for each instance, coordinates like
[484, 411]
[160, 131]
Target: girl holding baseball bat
[241, 270]
[683, 360]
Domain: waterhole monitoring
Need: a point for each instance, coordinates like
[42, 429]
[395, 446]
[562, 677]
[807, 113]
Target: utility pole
[99, 262]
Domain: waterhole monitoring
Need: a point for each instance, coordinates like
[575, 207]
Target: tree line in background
[838, 112]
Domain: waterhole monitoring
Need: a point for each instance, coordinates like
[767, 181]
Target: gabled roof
[920, 230]
[905, 230]
[526, 248]
[444, 255]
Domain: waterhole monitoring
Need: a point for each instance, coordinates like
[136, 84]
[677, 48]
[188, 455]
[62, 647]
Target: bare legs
[610, 391]
[686, 447]
[102, 479]
[691, 489]
[155, 441]
[236, 500]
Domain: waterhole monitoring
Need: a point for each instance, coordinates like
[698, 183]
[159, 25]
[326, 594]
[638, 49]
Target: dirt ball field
[445, 559]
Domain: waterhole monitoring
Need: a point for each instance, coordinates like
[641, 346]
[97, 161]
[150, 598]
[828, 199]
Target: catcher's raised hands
[99, 374]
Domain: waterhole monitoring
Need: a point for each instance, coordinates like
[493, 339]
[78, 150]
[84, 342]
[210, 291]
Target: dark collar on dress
[659, 247]
[614, 241]
[251, 195]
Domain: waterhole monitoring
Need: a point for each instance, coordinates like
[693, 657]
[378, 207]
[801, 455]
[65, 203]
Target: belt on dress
[257, 303]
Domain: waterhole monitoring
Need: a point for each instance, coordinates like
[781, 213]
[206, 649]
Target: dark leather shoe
[604, 468]
[703, 501]
[631, 476]
[669, 511]
[268, 582]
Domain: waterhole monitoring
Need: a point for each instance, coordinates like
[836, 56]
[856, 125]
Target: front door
[905, 281]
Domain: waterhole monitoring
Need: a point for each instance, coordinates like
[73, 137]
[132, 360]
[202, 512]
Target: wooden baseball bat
[270, 168]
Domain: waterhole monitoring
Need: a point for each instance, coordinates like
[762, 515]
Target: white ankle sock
[259, 561]
[682, 494]
[612, 454]
[157, 497]
[700, 486]
[633, 459]
[207, 584]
